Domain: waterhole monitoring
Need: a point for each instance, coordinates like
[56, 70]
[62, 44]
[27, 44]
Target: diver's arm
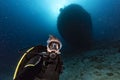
[61, 67]
[33, 61]
[30, 69]
[60, 64]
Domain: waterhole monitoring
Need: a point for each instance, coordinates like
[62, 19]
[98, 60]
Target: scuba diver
[41, 62]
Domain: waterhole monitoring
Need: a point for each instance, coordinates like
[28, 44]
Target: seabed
[96, 64]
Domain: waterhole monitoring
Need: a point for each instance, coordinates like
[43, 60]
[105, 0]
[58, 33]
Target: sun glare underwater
[52, 8]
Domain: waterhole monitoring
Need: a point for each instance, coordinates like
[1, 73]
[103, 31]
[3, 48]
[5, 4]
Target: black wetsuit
[40, 66]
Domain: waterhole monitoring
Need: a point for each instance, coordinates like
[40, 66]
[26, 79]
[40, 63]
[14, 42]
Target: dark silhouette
[75, 26]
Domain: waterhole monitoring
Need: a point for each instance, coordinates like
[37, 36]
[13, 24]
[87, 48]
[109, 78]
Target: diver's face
[54, 46]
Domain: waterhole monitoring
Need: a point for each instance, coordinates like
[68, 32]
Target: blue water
[25, 23]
